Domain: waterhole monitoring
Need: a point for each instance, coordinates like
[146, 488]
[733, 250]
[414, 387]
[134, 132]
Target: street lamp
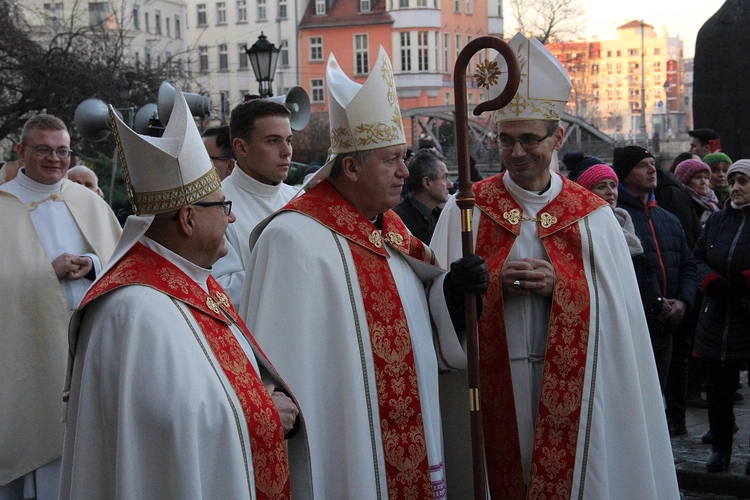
[263, 57]
[666, 104]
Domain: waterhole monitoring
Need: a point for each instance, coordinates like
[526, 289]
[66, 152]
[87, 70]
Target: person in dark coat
[723, 335]
[428, 186]
[664, 243]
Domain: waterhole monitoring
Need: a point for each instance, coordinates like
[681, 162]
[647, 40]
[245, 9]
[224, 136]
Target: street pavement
[690, 456]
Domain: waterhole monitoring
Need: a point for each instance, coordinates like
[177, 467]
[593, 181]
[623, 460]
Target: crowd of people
[241, 338]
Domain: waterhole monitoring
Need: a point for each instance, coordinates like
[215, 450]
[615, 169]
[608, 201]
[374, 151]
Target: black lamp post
[263, 58]
[666, 104]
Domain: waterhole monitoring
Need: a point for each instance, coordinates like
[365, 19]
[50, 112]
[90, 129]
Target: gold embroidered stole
[401, 423]
[142, 266]
[556, 429]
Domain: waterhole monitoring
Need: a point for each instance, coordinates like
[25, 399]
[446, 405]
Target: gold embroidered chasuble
[556, 429]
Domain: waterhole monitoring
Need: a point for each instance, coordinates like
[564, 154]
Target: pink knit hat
[687, 169]
[595, 174]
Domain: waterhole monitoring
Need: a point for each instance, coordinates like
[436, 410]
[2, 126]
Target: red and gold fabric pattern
[400, 410]
[556, 431]
[141, 266]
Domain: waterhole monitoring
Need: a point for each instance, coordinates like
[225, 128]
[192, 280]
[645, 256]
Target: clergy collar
[195, 272]
[32, 185]
[534, 197]
[257, 188]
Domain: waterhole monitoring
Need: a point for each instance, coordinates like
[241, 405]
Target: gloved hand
[467, 275]
[719, 288]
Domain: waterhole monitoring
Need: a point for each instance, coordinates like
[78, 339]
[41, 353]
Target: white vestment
[39, 223]
[303, 303]
[252, 201]
[151, 412]
[623, 450]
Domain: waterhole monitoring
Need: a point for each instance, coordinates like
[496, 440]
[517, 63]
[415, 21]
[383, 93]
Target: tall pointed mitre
[545, 85]
[363, 116]
[169, 172]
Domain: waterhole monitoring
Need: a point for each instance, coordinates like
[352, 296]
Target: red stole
[401, 425]
[142, 266]
[556, 430]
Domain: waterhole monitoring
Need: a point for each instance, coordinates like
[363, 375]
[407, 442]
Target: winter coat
[723, 253]
[671, 196]
[664, 244]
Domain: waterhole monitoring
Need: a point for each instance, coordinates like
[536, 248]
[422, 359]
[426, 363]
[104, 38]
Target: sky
[681, 17]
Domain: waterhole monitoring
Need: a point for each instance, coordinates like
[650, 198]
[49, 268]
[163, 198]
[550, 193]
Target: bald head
[86, 177]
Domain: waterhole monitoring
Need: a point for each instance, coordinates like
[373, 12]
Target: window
[261, 10]
[202, 18]
[446, 53]
[157, 21]
[54, 12]
[147, 56]
[632, 52]
[203, 58]
[362, 63]
[221, 13]
[469, 7]
[470, 67]
[403, 4]
[146, 23]
[136, 17]
[224, 104]
[457, 6]
[241, 11]
[657, 51]
[320, 7]
[364, 6]
[316, 48]
[470, 97]
[284, 55]
[421, 3]
[458, 45]
[316, 90]
[422, 55]
[436, 46]
[223, 57]
[618, 67]
[447, 99]
[177, 27]
[619, 53]
[99, 15]
[609, 53]
[242, 56]
[405, 51]
[169, 28]
[282, 9]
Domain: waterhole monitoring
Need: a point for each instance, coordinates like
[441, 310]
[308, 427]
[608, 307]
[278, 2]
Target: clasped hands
[528, 276]
[72, 267]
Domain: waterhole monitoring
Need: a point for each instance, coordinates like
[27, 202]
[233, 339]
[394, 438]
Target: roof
[345, 13]
[634, 24]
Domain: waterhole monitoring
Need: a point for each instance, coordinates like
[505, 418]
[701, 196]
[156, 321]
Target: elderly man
[169, 394]
[57, 236]
[262, 143]
[428, 186]
[83, 175]
[218, 144]
[569, 394]
[343, 300]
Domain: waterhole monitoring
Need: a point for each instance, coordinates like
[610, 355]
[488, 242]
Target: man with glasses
[56, 237]
[262, 143]
[219, 146]
[170, 396]
[568, 386]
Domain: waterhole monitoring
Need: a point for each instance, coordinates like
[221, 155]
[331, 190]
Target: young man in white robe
[262, 142]
[57, 235]
[349, 306]
[169, 394]
[569, 395]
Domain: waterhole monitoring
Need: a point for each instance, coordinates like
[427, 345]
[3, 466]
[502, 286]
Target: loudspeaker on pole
[298, 103]
[199, 105]
[92, 120]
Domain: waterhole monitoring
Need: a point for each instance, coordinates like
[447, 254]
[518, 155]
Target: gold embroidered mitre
[545, 85]
[166, 173]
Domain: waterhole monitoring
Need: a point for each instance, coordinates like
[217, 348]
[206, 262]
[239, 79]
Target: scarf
[709, 202]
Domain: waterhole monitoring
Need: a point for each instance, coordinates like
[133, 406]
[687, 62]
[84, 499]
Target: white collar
[28, 183]
[533, 197]
[247, 183]
[195, 272]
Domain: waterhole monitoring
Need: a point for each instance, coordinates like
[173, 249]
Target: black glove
[467, 275]
[718, 289]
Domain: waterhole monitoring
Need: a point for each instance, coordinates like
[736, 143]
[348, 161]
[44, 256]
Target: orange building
[422, 37]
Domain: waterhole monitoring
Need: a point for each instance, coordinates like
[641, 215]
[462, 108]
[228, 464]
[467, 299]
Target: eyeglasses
[221, 158]
[225, 205]
[45, 151]
[527, 142]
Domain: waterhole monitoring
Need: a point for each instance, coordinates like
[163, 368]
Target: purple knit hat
[595, 174]
[686, 170]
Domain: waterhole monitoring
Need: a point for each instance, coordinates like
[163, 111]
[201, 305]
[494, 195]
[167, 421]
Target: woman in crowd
[719, 163]
[601, 180]
[694, 176]
[723, 335]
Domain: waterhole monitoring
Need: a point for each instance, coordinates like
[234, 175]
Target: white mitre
[166, 173]
[363, 117]
[545, 85]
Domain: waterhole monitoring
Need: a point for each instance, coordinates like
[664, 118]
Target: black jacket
[664, 244]
[723, 253]
[671, 196]
[418, 218]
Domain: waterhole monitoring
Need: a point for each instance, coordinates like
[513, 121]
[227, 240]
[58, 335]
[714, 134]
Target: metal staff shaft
[465, 201]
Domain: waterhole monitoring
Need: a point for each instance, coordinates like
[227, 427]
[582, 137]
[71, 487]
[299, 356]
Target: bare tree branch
[549, 20]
